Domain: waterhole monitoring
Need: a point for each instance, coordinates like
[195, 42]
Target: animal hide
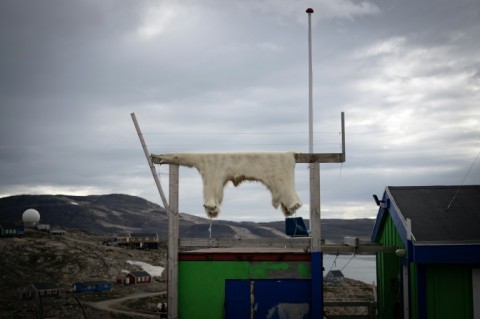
[275, 170]
[289, 311]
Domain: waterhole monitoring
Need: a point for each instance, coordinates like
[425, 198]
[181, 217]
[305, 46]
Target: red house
[138, 277]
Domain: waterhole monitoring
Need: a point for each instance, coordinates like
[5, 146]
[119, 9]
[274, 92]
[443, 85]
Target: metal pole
[310, 85]
[316, 254]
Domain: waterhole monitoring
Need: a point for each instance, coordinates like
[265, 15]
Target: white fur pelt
[275, 170]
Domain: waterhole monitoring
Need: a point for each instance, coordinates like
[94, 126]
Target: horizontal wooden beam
[299, 158]
[319, 157]
[294, 242]
[299, 242]
[362, 249]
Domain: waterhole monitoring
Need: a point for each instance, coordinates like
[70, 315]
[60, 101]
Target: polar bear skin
[275, 170]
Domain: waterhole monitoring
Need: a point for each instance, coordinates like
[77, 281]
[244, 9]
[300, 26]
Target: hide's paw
[289, 211]
[295, 207]
[169, 159]
[212, 211]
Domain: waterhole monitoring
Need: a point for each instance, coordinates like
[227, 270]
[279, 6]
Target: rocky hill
[118, 213]
[64, 260]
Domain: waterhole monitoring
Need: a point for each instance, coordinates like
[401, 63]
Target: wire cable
[344, 266]
[463, 181]
[334, 264]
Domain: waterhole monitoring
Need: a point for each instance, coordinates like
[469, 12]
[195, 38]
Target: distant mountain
[117, 213]
[95, 213]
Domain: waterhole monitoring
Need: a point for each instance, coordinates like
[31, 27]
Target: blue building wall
[97, 286]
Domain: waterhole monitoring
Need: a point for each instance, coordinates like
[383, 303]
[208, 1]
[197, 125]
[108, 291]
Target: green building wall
[388, 272]
[447, 291]
[414, 311]
[201, 284]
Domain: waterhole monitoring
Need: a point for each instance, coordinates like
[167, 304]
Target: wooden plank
[315, 215]
[319, 157]
[173, 241]
[244, 256]
[316, 265]
[299, 242]
[344, 158]
[150, 163]
[362, 249]
[302, 243]
[299, 158]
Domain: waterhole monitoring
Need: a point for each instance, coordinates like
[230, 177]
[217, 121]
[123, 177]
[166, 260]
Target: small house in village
[334, 277]
[44, 227]
[137, 277]
[92, 286]
[11, 230]
[435, 270]
[122, 239]
[41, 289]
[144, 240]
[57, 232]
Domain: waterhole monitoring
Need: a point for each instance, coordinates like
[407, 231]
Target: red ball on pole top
[309, 10]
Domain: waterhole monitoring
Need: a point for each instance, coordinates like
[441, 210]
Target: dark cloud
[213, 76]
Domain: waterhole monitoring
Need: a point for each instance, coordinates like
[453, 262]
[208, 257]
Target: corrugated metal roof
[443, 214]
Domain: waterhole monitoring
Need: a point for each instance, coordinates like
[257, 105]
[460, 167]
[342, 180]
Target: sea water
[358, 267]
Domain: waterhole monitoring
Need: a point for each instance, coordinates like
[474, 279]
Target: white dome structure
[30, 217]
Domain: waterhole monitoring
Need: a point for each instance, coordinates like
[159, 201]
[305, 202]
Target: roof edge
[397, 217]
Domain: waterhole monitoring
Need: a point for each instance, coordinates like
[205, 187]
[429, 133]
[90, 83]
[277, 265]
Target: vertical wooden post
[315, 225]
[316, 255]
[344, 156]
[173, 241]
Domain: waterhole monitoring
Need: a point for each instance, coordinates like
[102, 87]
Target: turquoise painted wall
[201, 284]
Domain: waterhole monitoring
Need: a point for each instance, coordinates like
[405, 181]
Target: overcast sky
[225, 76]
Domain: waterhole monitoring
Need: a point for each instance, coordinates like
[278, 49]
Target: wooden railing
[370, 305]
